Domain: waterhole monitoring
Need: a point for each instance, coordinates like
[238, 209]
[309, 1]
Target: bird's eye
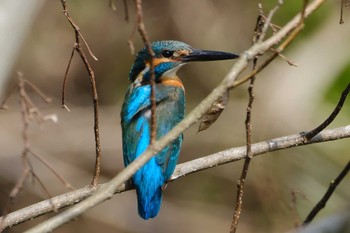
[167, 53]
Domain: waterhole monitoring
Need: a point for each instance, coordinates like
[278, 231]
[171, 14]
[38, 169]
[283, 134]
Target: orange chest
[174, 82]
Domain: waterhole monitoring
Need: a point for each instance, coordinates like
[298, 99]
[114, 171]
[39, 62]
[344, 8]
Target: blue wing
[136, 138]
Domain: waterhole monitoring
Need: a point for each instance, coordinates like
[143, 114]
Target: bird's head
[169, 56]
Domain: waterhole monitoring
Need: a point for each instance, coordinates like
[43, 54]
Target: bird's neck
[169, 78]
[173, 81]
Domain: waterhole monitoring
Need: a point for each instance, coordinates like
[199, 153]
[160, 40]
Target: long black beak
[208, 55]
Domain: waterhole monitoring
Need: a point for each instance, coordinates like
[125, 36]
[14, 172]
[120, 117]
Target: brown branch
[14, 193]
[293, 34]
[7, 96]
[81, 53]
[63, 101]
[44, 189]
[126, 10]
[26, 169]
[322, 203]
[28, 112]
[342, 4]
[43, 96]
[260, 24]
[143, 33]
[52, 169]
[293, 207]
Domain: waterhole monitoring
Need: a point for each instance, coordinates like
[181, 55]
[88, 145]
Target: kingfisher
[169, 57]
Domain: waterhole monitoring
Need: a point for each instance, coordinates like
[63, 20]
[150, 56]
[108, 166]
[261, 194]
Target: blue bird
[170, 110]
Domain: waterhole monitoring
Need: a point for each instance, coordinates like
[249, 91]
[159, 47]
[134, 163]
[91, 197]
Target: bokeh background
[36, 40]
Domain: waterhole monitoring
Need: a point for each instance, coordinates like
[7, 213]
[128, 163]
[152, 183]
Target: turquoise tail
[148, 182]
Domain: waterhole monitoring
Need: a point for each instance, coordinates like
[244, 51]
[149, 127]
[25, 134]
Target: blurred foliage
[292, 7]
[334, 90]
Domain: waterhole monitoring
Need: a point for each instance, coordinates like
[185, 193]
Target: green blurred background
[37, 40]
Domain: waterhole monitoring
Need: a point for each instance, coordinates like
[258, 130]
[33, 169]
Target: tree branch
[77, 47]
[143, 33]
[330, 119]
[332, 186]
[259, 27]
[227, 156]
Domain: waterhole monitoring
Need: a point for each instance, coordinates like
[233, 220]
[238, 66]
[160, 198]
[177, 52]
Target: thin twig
[276, 53]
[332, 186]
[25, 167]
[76, 28]
[142, 30]
[52, 169]
[45, 190]
[268, 20]
[294, 195]
[341, 21]
[330, 119]
[7, 96]
[43, 96]
[293, 207]
[14, 193]
[28, 112]
[126, 10]
[81, 53]
[248, 128]
[291, 63]
[63, 102]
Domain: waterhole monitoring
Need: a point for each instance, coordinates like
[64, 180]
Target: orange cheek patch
[157, 61]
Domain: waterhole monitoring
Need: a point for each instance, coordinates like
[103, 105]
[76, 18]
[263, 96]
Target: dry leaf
[214, 112]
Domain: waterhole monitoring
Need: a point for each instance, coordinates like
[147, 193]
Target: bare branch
[91, 73]
[332, 186]
[7, 96]
[330, 119]
[342, 4]
[43, 96]
[248, 128]
[126, 10]
[63, 102]
[28, 112]
[52, 169]
[142, 30]
[207, 162]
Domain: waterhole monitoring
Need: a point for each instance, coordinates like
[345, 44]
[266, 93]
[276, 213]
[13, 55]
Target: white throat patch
[172, 72]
